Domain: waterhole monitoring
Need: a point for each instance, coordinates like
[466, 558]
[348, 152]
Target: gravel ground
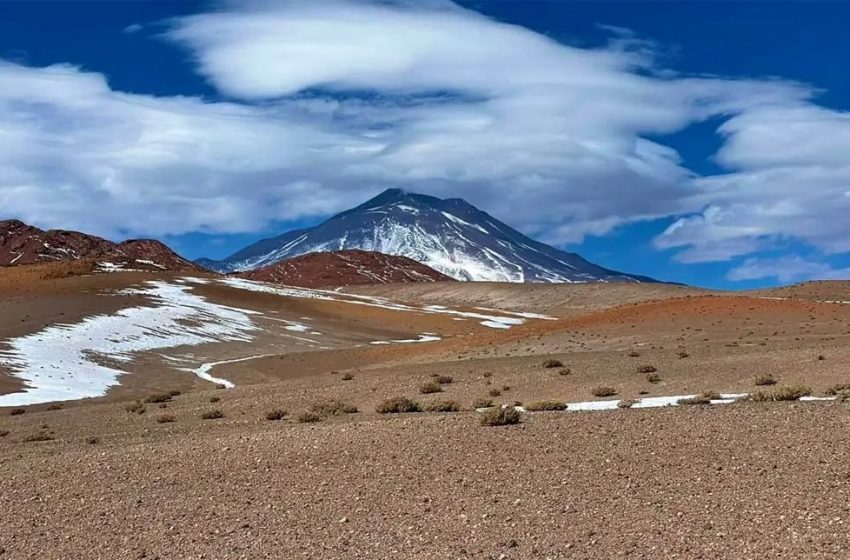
[741, 481]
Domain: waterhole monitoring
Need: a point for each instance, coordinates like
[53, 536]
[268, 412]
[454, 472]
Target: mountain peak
[448, 235]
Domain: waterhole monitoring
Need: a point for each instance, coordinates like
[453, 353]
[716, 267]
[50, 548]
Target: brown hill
[22, 244]
[345, 268]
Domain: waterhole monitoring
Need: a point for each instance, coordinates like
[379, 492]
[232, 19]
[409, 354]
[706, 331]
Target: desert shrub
[430, 387]
[332, 407]
[703, 398]
[785, 393]
[308, 417]
[840, 388]
[604, 391]
[212, 415]
[564, 371]
[843, 396]
[633, 354]
[500, 417]
[487, 374]
[38, 436]
[54, 406]
[546, 405]
[275, 415]
[647, 369]
[443, 406]
[821, 358]
[653, 378]
[627, 403]
[398, 405]
[17, 411]
[158, 398]
[552, 364]
[92, 440]
[166, 418]
[4, 433]
[215, 399]
[762, 380]
[135, 407]
[174, 394]
[347, 377]
[482, 403]
[494, 392]
[443, 379]
[682, 354]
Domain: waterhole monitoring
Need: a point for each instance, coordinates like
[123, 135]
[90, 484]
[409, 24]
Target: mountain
[22, 244]
[450, 236]
[344, 268]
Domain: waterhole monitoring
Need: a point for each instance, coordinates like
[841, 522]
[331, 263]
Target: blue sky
[210, 125]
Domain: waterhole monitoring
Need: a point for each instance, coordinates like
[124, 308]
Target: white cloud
[335, 100]
[787, 269]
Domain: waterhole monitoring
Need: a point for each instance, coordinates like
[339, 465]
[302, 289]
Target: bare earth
[737, 481]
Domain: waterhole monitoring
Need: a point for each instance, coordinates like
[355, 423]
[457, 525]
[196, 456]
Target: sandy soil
[738, 481]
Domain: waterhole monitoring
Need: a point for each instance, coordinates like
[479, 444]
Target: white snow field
[82, 360]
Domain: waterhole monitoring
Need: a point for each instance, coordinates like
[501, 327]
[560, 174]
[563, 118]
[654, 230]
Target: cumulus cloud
[787, 269]
[333, 101]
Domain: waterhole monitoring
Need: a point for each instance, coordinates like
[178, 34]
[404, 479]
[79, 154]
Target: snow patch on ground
[204, 371]
[83, 360]
[427, 337]
[490, 320]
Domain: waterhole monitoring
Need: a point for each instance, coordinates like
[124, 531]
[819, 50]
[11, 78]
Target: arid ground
[269, 469]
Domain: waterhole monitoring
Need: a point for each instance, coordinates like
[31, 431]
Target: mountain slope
[22, 244]
[449, 235]
[344, 268]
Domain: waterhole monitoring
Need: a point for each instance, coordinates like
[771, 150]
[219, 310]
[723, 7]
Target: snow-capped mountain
[450, 236]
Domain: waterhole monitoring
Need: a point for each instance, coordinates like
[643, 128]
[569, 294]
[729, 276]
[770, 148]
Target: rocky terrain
[166, 464]
[22, 244]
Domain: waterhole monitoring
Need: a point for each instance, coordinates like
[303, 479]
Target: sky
[692, 141]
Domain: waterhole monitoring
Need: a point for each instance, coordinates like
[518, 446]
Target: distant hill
[344, 268]
[22, 244]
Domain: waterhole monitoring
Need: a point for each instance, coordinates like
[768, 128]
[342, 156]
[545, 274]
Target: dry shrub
[39, 436]
[443, 379]
[604, 391]
[92, 440]
[702, 398]
[565, 371]
[494, 392]
[17, 411]
[332, 407]
[682, 354]
[174, 393]
[482, 403]
[347, 377]
[653, 378]
[430, 388]
[785, 393]
[500, 417]
[763, 380]
[54, 406]
[275, 415]
[4, 433]
[135, 407]
[633, 354]
[840, 388]
[212, 415]
[443, 406]
[539, 406]
[215, 399]
[647, 369]
[398, 405]
[166, 418]
[158, 398]
[552, 364]
[309, 417]
[627, 403]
